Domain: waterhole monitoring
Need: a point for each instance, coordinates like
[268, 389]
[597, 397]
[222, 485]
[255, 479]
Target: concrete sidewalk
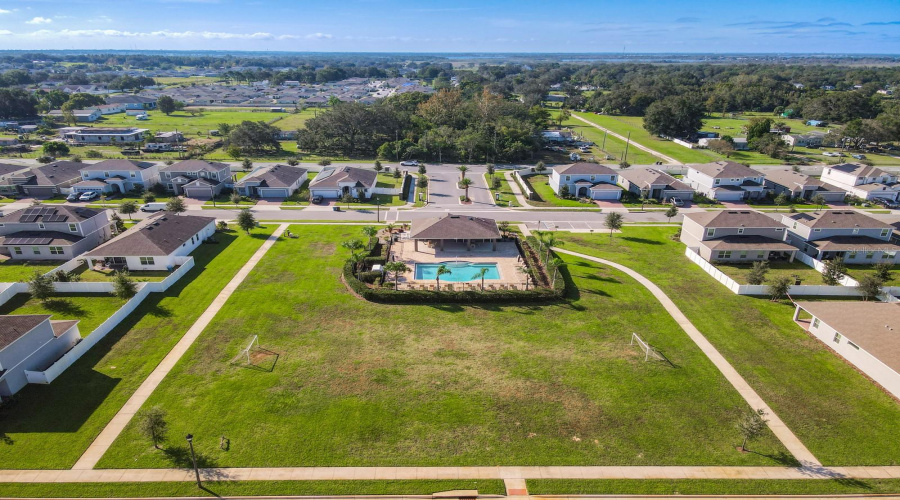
[781, 431]
[115, 426]
[668, 159]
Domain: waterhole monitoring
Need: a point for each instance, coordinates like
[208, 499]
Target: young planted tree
[465, 183]
[378, 166]
[540, 167]
[549, 241]
[247, 164]
[422, 169]
[883, 270]
[153, 425]
[781, 200]
[396, 268]
[117, 223]
[246, 220]
[834, 271]
[481, 274]
[870, 287]
[491, 170]
[757, 273]
[347, 199]
[613, 222]
[123, 286]
[779, 288]
[556, 264]
[819, 201]
[176, 205]
[564, 191]
[236, 198]
[370, 233]
[441, 270]
[751, 426]
[671, 212]
[462, 171]
[41, 287]
[128, 208]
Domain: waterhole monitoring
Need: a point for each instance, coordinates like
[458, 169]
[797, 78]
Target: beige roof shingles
[454, 227]
[734, 218]
[873, 326]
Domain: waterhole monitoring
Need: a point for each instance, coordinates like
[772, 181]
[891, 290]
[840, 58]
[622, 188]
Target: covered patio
[438, 232]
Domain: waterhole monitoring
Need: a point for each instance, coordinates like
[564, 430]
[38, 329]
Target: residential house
[109, 109]
[169, 137]
[557, 136]
[277, 181]
[857, 237]
[816, 123]
[45, 181]
[103, 135]
[116, 176]
[52, 233]
[863, 181]
[798, 185]
[154, 243]
[863, 333]
[195, 178]
[80, 115]
[132, 101]
[653, 183]
[740, 144]
[7, 170]
[586, 180]
[725, 181]
[736, 236]
[803, 140]
[334, 183]
[31, 343]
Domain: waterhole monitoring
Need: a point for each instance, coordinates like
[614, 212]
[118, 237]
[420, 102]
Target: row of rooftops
[754, 219]
[59, 172]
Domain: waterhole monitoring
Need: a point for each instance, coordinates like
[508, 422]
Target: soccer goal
[649, 351]
[245, 352]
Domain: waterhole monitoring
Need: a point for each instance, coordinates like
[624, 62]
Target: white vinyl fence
[526, 188]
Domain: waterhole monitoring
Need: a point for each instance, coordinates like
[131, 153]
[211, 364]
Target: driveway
[443, 190]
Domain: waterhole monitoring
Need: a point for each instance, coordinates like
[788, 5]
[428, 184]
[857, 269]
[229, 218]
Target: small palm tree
[550, 241]
[481, 274]
[390, 228]
[442, 270]
[463, 169]
[556, 264]
[465, 183]
[397, 268]
[370, 233]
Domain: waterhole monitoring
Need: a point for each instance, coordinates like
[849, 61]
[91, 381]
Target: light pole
[377, 210]
[190, 440]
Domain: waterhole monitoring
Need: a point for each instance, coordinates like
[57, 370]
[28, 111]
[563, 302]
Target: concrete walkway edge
[778, 427]
[667, 159]
[115, 426]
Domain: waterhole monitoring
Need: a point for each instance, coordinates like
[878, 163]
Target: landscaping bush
[407, 185]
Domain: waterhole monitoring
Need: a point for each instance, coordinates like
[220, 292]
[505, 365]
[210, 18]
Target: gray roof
[854, 244]
[452, 227]
[195, 166]
[858, 169]
[118, 165]
[723, 169]
[12, 328]
[333, 177]
[39, 238]
[8, 168]
[158, 235]
[54, 174]
[748, 242]
[645, 177]
[585, 168]
[838, 219]
[50, 213]
[734, 218]
[275, 176]
[129, 99]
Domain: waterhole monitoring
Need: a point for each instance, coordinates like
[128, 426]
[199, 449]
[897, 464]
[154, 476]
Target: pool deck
[506, 257]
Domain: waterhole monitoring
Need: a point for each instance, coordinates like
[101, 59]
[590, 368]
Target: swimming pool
[459, 271]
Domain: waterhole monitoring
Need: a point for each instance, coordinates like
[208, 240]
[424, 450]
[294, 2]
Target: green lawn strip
[507, 198]
[711, 486]
[614, 146]
[808, 275]
[362, 384]
[638, 134]
[247, 488]
[795, 374]
[202, 123]
[12, 271]
[92, 275]
[540, 185]
[90, 309]
[93, 389]
[223, 199]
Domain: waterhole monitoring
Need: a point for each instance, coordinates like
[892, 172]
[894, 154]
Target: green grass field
[808, 275]
[90, 309]
[795, 374]
[341, 382]
[712, 487]
[507, 198]
[611, 146]
[92, 390]
[202, 123]
[12, 271]
[539, 183]
[634, 124]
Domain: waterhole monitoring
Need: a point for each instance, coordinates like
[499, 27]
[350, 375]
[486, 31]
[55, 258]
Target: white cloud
[5, 32]
[165, 34]
[4, 11]
[318, 36]
[40, 20]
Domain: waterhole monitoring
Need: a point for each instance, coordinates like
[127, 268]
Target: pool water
[459, 271]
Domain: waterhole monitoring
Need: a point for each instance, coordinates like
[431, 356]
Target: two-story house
[736, 236]
[47, 180]
[31, 343]
[195, 178]
[863, 181]
[276, 181]
[132, 101]
[333, 183]
[797, 185]
[725, 181]
[104, 135]
[52, 233]
[656, 184]
[586, 180]
[7, 170]
[857, 237]
[116, 176]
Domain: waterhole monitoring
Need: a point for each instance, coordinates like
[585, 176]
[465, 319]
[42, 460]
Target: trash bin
[336, 209]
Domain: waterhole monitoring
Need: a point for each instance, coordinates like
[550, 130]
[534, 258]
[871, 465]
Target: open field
[90, 309]
[247, 488]
[634, 124]
[795, 374]
[712, 487]
[341, 382]
[539, 183]
[614, 147]
[12, 271]
[202, 123]
[93, 389]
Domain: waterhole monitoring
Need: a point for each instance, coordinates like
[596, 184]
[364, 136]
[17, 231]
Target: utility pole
[603, 147]
[627, 142]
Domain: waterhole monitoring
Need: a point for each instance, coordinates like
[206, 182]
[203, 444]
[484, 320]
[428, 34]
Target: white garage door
[198, 192]
[327, 193]
[273, 192]
[606, 194]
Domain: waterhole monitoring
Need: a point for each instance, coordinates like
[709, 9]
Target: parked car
[677, 202]
[410, 163]
[316, 199]
[831, 154]
[88, 196]
[574, 156]
[73, 197]
[859, 157]
[153, 207]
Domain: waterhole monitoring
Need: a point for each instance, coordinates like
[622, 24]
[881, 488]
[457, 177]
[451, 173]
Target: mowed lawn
[842, 417]
[202, 123]
[342, 382]
[90, 309]
[548, 198]
[12, 271]
[614, 147]
[50, 426]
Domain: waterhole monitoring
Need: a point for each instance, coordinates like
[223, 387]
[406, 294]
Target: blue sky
[823, 26]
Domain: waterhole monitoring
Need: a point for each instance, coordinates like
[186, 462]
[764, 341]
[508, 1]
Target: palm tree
[355, 261]
[465, 183]
[463, 169]
[550, 241]
[390, 228]
[397, 268]
[354, 246]
[555, 264]
[480, 274]
[442, 270]
[370, 233]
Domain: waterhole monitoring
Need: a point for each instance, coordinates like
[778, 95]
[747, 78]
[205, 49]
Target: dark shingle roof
[12, 328]
[276, 176]
[362, 177]
[645, 177]
[159, 235]
[722, 169]
[195, 166]
[585, 168]
[56, 173]
[46, 213]
[452, 227]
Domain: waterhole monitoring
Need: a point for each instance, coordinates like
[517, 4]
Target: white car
[410, 163]
[677, 202]
[88, 196]
[832, 154]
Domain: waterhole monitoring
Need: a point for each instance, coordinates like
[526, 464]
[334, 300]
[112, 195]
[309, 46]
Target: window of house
[851, 344]
[885, 232]
[41, 225]
[815, 322]
[56, 250]
[837, 337]
[888, 255]
[817, 230]
[779, 229]
[869, 255]
[105, 174]
[36, 250]
[710, 232]
[760, 255]
[718, 181]
[17, 250]
[146, 261]
[133, 174]
[740, 230]
[568, 178]
[855, 230]
[725, 254]
[73, 227]
[744, 254]
[851, 254]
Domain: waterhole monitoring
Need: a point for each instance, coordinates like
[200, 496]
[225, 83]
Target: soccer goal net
[649, 351]
[244, 355]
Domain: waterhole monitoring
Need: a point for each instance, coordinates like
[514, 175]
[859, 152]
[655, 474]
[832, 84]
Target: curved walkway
[781, 431]
[667, 159]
